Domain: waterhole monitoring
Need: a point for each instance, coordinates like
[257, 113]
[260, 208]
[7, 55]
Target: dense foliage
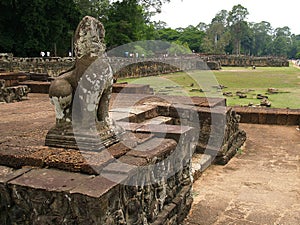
[28, 27]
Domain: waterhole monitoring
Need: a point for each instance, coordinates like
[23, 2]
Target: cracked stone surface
[261, 185]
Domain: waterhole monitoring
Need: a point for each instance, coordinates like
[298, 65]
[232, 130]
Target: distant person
[42, 53]
[48, 54]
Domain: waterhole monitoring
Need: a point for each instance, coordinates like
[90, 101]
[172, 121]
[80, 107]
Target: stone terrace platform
[24, 125]
[40, 184]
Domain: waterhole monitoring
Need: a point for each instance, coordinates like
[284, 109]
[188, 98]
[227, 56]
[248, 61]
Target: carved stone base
[65, 137]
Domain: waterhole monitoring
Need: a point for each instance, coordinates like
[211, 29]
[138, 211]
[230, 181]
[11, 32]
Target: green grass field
[252, 82]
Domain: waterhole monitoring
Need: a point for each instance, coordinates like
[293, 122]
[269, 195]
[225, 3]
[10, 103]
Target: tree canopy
[30, 26]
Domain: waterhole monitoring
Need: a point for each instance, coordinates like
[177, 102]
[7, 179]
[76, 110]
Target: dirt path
[259, 186]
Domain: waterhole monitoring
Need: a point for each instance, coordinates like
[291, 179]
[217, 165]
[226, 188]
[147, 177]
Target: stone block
[159, 120]
[272, 116]
[154, 150]
[37, 86]
[263, 116]
[282, 117]
[96, 187]
[254, 116]
[165, 130]
[7, 173]
[17, 157]
[119, 149]
[293, 117]
[76, 161]
[50, 180]
[131, 160]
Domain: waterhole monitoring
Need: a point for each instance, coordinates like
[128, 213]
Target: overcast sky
[182, 13]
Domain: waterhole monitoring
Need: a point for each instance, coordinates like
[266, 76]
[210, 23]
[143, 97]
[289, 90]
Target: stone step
[158, 120]
[160, 130]
[37, 86]
[131, 88]
[135, 114]
[200, 162]
[83, 141]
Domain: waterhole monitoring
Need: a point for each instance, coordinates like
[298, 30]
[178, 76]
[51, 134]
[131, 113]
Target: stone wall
[128, 67]
[146, 180]
[48, 65]
[123, 67]
[127, 191]
[47, 196]
[269, 115]
[247, 61]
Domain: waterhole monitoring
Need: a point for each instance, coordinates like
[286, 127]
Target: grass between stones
[246, 80]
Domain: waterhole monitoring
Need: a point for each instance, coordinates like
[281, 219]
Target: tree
[281, 41]
[179, 48]
[193, 37]
[152, 6]
[295, 46]
[94, 8]
[221, 17]
[168, 34]
[62, 19]
[262, 37]
[217, 36]
[8, 25]
[126, 22]
[236, 21]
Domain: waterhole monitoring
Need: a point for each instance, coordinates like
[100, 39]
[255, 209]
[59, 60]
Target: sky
[182, 13]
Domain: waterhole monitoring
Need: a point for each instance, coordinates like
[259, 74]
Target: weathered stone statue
[81, 95]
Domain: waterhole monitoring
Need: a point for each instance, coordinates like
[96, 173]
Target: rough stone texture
[123, 67]
[43, 196]
[49, 196]
[49, 65]
[10, 87]
[219, 133]
[14, 93]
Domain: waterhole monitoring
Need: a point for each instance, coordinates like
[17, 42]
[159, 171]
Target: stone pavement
[261, 185]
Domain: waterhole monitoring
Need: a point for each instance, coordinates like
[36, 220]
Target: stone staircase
[219, 136]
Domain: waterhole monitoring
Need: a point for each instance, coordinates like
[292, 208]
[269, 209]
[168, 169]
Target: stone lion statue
[81, 94]
[89, 82]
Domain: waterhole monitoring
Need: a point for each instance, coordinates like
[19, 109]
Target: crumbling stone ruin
[14, 93]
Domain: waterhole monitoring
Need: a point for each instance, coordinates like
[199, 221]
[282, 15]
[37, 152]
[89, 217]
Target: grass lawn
[252, 82]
